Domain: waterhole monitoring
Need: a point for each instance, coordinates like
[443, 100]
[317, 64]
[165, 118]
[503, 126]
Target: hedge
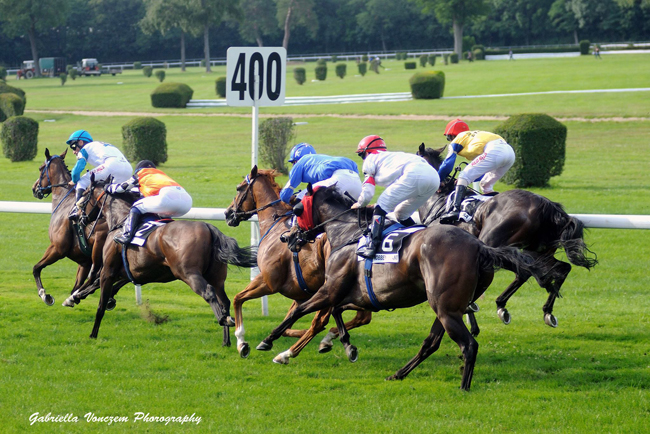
[584, 47]
[171, 95]
[5, 88]
[19, 138]
[160, 75]
[10, 105]
[410, 65]
[432, 59]
[539, 142]
[427, 84]
[445, 58]
[363, 68]
[341, 69]
[137, 65]
[64, 77]
[453, 57]
[145, 138]
[321, 72]
[147, 70]
[300, 75]
[3, 73]
[423, 60]
[220, 86]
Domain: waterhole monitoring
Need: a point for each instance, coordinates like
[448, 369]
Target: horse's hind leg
[553, 283]
[501, 301]
[215, 295]
[429, 346]
[457, 331]
[50, 256]
[363, 317]
[317, 325]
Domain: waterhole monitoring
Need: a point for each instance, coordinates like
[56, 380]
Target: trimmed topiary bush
[3, 73]
[427, 84]
[363, 68]
[321, 72]
[453, 57]
[424, 59]
[410, 65]
[147, 71]
[479, 52]
[137, 65]
[10, 105]
[221, 86]
[321, 62]
[539, 142]
[445, 58]
[145, 138]
[73, 74]
[300, 75]
[64, 77]
[584, 47]
[5, 88]
[19, 138]
[275, 134]
[171, 95]
[341, 70]
[432, 59]
[335, 58]
[160, 75]
[364, 58]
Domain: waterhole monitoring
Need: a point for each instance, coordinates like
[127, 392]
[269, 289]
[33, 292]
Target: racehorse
[195, 252]
[53, 179]
[443, 265]
[525, 220]
[260, 194]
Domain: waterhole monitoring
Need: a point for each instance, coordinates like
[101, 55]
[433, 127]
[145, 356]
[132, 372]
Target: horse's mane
[271, 174]
[54, 158]
[332, 196]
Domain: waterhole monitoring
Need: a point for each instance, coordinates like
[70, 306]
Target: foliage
[160, 75]
[428, 85]
[335, 58]
[453, 58]
[275, 134]
[145, 138]
[539, 142]
[300, 75]
[137, 65]
[584, 47]
[3, 73]
[147, 71]
[5, 88]
[364, 58]
[10, 105]
[410, 65]
[321, 72]
[171, 95]
[220, 85]
[424, 58]
[296, 13]
[63, 77]
[363, 68]
[321, 62]
[73, 73]
[341, 69]
[19, 138]
[432, 59]
[479, 52]
[264, 23]
[445, 58]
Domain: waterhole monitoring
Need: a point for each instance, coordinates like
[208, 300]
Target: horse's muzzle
[231, 218]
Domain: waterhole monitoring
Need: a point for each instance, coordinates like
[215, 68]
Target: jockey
[162, 196]
[490, 155]
[409, 182]
[107, 159]
[320, 170]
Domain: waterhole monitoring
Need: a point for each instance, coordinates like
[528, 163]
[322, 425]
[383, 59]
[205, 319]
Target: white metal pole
[138, 294]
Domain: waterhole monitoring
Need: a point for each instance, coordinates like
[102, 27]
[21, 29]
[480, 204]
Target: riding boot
[374, 240]
[74, 212]
[130, 225]
[451, 216]
[407, 223]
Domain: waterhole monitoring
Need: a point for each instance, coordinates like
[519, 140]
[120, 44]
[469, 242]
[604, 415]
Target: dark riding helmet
[144, 164]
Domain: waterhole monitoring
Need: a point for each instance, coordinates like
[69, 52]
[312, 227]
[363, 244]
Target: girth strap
[301, 280]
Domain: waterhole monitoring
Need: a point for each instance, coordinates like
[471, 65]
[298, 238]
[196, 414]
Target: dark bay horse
[195, 252]
[260, 194]
[443, 265]
[525, 220]
[53, 179]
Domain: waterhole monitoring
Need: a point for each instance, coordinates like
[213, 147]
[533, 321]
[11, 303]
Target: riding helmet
[300, 150]
[371, 143]
[144, 164]
[455, 127]
[79, 135]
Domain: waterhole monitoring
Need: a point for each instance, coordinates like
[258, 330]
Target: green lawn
[591, 374]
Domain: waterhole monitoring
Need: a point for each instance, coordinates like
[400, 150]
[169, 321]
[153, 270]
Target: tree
[383, 18]
[258, 20]
[210, 12]
[293, 13]
[458, 12]
[164, 15]
[32, 17]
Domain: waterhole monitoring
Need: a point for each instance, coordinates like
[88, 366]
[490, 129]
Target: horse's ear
[310, 189]
[92, 178]
[47, 154]
[421, 149]
[254, 171]
[440, 150]
[65, 151]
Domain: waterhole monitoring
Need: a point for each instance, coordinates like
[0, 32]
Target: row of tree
[128, 30]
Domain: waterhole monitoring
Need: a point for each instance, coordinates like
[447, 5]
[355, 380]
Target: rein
[249, 214]
[47, 190]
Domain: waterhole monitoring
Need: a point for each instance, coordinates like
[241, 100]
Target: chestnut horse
[525, 220]
[53, 179]
[443, 265]
[260, 194]
[195, 252]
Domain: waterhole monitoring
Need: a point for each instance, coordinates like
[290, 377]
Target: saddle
[469, 205]
[392, 238]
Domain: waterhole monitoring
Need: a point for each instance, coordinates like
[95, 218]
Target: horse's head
[97, 201]
[52, 173]
[257, 190]
[432, 156]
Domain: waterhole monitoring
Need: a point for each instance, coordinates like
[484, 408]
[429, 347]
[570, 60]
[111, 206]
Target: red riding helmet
[371, 143]
[455, 127]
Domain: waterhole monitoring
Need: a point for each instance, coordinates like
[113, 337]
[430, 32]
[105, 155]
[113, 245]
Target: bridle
[245, 215]
[43, 192]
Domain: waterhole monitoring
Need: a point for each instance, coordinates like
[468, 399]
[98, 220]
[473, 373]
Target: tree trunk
[383, 42]
[206, 47]
[258, 36]
[182, 51]
[32, 41]
[575, 36]
[458, 39]
[287, 29]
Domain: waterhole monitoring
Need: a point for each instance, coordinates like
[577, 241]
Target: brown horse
[525, 220]
[195, 252]
[53, 179]
[260, 194]
[443, 265]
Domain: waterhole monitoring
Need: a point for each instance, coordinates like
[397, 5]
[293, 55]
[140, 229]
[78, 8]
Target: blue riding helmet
[300, 150]
[79, 135]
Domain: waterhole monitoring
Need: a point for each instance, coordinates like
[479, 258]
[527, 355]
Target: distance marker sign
[243, 64]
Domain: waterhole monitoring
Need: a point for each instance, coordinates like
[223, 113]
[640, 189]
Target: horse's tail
[509, 258]
[571, 237]
[225, 249]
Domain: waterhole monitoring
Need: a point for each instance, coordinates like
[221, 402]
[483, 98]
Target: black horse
[525, 220]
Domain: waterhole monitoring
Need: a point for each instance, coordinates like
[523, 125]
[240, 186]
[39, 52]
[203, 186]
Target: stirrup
[122, 239]
[450, 217]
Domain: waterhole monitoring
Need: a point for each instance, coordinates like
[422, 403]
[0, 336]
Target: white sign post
[256, 76]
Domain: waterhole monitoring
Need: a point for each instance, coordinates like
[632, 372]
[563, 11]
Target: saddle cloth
[391, 244]
[151, 223]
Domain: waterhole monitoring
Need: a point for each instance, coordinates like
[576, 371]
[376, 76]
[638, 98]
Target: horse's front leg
[344, 336]
[106, 283]
[317, 325]
[362, 318]
[255, 289]
[50, 256]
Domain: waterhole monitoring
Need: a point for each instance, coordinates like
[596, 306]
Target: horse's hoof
[504, 315]
[550, 320]
[353, 354]
[48, 299]
[325, 347]
[69, 302]
[283, 358]
[244, 350]
[263, 346]
[230, 322]
[473, 307]
[111, 304]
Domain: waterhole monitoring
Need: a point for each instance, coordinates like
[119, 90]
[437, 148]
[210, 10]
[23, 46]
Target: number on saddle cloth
[392, 239]
[149, 224]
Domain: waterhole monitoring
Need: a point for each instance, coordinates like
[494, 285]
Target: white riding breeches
[497, 157]
[410, 191]
[172, 201]
[120, 170]
[343, 179]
